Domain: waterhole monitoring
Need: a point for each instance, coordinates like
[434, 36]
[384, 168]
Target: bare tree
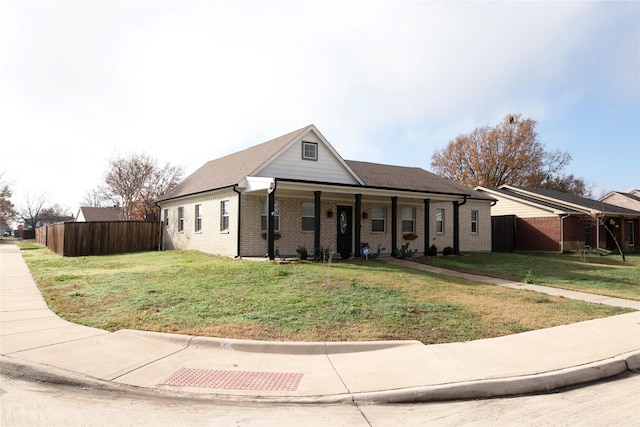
[55, 213]
[7, 209]
[135, 183]
[508, 153]
[162, 180]
[32, 208]
[94, 198]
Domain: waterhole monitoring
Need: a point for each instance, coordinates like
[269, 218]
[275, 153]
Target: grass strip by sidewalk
[602, 275]
[191, 292]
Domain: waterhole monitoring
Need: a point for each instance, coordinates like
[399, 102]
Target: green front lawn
[194, 293]
[603, 275]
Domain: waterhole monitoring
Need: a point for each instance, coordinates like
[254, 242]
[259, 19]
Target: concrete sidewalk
[35, 343]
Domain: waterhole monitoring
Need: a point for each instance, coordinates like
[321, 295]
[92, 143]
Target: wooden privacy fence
[503, 233]
[100, 238]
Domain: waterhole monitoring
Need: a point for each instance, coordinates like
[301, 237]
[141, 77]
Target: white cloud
[384, 81]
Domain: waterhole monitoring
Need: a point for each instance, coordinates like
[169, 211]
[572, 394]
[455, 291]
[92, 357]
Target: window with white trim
[440, 220]
[309, 151]
[263, 216]
[224, 215]
[308, 216]
[166, 217]
[378, 219]
[180, 218]
[198, 217]
[474, 221]
[408, 220]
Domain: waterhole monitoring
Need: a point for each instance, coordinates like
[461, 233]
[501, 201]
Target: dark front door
[345, 230]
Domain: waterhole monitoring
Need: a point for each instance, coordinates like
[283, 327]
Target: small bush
[528, 278]
[447, 251]
[433, 250]
[302, 253]
[345, 253]
[378, 251]
[322, 254]
[404, 252]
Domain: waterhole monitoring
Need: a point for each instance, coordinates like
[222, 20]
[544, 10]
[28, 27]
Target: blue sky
[388, 82]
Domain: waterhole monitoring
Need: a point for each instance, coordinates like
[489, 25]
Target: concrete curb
[490, 388]
[29, 371]
[515, 386]
[268, 347]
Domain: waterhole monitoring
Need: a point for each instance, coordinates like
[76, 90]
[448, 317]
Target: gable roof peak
[231, 169]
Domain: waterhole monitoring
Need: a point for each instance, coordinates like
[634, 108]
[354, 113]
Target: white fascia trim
[579, 208]
[255, 183]
[499, 195]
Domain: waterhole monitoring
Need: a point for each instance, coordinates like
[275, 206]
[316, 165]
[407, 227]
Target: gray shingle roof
[408, 178]
[536, 200]
[575, 200]
[101, 214]
[231, 169]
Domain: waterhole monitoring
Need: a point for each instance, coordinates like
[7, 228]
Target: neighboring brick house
[296, 190]
[630, 200]
[552, 221]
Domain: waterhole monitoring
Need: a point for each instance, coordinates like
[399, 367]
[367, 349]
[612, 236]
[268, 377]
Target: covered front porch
[343, 217]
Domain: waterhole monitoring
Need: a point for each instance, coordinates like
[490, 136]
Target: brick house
[630, 200]
[296, 190]
[553, 221]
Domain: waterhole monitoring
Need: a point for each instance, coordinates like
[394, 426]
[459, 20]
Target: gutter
[235, 189]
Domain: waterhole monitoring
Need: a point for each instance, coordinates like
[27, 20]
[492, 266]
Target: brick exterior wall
[210, 238]
[544, 234]
[253, 241]
[480, 241]
[538, 234]
[291, 235]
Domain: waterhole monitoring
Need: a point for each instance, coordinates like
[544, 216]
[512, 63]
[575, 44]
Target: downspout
[456, 225]
[598, 248]
[562, 218]
[161, 237]
[235, 189]
[598, 234]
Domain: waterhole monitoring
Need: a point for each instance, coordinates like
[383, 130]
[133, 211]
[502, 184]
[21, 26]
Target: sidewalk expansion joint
[326, 353]
[155, 360]
[43, 329]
